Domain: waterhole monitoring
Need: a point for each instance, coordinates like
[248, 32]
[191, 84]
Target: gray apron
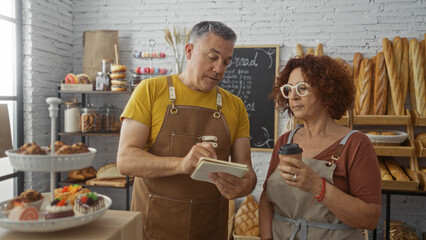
[177, 207]
[295, 218]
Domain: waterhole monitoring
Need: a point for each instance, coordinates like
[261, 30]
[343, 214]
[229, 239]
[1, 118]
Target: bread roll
[396, 170]
[355, 72]
[310, 51]
[362, 104]
[380, 86]
[395, 88]
[247, 218]
[319, 51]
[384, 171]
[416, 62]
[405, 69]
[109, 171]
[299, 50]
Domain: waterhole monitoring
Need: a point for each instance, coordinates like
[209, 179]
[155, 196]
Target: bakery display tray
[57, 224]
[50, 163]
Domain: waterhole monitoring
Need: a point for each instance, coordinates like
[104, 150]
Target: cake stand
[51, 163]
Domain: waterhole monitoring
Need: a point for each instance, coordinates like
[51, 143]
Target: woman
[335, 191]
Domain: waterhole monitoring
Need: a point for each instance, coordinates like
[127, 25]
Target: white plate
[50, 163]
[54, 224]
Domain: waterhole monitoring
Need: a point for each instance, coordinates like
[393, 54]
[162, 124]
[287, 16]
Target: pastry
[23, 213]
[70, 192]
[59, 208]
[58, 145]
[310, 51]
[389, 133]
[362, 104]
[82, 174]
[109, 171]
[118, 68]
[67, 149]
[416, 63]
[397, 54]
[88, 203]
[84, 78]
[29, 197]
[71, 79]
[395, 88]
[355, 72]
[80, 148]
[380, 86]
[246, 221]
[117, 75]
[384, 171]
[319, 51]
[396, 170]
[31, 148]
[299, 50]
[405, 68]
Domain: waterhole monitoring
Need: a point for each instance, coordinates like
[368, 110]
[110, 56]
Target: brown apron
[177, 207]
[295, 218]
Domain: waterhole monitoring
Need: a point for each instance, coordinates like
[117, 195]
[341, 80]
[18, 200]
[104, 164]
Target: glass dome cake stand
[51, 163]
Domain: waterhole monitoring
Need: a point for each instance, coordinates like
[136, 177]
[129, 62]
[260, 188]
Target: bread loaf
[231, 210]
[109, 171]
[418, 76]
[319, 51]
[396, 170]
[384, 171]
[299, 50]
[405, 68]
[310, 51]
[380, 86]
[373, 82]
[395, 88]
[355, 72]
[82, 174]
[247, 218]
[397, 54]
[362, 105]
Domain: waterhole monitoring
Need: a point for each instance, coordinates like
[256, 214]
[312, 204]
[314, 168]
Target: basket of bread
[246, 222]
[396, 177]
[383, 137]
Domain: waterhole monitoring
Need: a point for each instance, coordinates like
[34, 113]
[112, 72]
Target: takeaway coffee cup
[290, 150]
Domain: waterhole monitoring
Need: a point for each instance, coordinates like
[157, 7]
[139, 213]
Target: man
[171, 122]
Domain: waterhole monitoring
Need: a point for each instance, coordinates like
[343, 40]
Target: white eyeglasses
[302, 89]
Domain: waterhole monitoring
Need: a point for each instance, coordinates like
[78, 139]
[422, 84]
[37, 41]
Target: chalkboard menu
[251, 76]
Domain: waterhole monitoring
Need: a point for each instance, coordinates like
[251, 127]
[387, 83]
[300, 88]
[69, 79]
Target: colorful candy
[152, 70]
[138, 54]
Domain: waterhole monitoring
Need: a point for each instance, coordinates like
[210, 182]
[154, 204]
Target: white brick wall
[53, 33]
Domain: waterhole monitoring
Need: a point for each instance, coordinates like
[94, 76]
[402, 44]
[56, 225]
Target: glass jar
[111, 119]
[90, 120]
[106, 65]
[102, 82]
[72, 115]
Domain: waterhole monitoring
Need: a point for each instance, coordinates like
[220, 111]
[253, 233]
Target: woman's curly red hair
[331, 78]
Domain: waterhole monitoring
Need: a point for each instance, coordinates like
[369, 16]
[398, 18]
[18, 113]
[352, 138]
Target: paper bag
[98, 45]
[6, 139]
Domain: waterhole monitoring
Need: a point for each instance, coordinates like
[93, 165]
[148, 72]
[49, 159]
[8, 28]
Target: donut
[71, 79]
[84, 79]
[119, 82]
[118, 68]
[117, 75]
[116, 88]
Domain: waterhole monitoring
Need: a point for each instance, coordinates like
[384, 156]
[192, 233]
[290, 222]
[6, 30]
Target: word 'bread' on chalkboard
[251, 75]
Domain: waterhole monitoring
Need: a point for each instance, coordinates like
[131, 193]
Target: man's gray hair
[219, 29]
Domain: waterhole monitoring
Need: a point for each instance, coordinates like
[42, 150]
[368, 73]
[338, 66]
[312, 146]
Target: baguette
[355, 72]
[396, 170]
[373, 82]
[398, 103]
[380, 86]
[299, 51]
[405, 68]
[364, 88]
[416, 61]
[319, 51]
[384, 171]
[310, 51]
[397, 54]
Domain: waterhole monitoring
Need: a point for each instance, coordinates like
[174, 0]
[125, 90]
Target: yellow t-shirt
[150, 99]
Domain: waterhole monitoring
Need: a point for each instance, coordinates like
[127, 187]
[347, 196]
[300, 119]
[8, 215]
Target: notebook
[208, 165]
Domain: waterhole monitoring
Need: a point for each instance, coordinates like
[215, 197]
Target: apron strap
[172, 95]
[290, 137]
[302, 225]
[341, 146]
[219, 103]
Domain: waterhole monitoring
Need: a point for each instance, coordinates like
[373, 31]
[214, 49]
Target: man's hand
[229, 186]
[199, 150]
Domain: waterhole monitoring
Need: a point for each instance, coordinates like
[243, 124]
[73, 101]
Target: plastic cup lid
[289, 149]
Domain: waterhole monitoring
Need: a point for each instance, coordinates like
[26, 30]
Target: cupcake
[88, 203]
[59, 208]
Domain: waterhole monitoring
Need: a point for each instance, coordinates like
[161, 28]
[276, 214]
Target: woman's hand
[297, 174]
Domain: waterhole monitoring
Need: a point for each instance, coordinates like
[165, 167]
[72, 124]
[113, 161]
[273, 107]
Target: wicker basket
[237, 237]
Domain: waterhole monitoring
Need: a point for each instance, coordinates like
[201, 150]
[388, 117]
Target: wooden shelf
[121, 185]
[99, 134]
[420, 149]
[417, 119]
[382, 119]
[405, 150]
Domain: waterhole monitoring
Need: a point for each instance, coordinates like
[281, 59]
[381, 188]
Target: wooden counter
[113, 225]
